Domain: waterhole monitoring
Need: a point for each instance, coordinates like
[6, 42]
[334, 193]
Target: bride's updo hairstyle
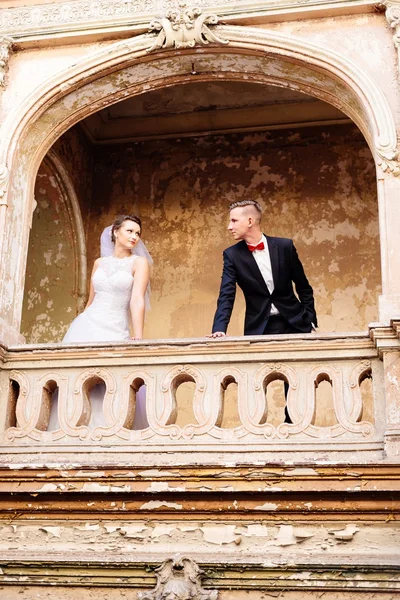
[120, 220]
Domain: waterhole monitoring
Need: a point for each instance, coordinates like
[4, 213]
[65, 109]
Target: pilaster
[387, 341]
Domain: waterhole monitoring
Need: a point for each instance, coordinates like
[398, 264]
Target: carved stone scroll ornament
[389, 162]
[184, 27]
[5, 48]
[393, 18]
[178, 579]
[4, 177]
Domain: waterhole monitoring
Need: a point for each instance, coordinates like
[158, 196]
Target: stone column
[9, 333]
[389, 227]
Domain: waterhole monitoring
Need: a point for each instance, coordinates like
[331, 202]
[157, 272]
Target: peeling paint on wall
[49, 302]
[316, 185]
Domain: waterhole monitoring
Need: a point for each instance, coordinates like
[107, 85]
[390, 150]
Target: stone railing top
[202, 345]
[381, 336]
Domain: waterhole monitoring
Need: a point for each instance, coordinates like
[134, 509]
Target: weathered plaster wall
[366, 40]
[51, 297]
[76, 154]
[31, 68]
[316, 185]
[49, 285]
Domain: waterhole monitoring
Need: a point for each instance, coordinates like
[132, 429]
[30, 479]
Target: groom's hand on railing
[216, 334]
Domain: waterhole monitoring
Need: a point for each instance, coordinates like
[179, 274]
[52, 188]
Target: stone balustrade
[80, 400]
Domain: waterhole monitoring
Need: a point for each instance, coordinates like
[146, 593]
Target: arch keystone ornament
[5, 49]
[178, 579]
[184, 27]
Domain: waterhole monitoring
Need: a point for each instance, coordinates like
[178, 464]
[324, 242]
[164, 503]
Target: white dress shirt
[263, 261]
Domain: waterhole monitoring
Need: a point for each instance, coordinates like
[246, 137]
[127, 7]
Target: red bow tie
[259, 246]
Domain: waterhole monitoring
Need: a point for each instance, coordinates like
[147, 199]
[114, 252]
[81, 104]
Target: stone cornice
[135, 478]
[386, 338]
[85, 17]
[221, 569]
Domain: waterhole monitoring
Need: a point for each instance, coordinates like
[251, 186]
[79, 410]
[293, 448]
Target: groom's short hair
[244, 203]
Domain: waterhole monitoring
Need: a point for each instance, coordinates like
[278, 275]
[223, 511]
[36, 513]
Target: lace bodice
[113, 281]
[107, 318]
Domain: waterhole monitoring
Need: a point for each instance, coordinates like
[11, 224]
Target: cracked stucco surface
[253, 538]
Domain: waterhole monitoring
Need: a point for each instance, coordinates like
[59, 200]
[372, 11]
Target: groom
[265, 268]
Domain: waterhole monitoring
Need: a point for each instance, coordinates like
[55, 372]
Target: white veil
[107, 249]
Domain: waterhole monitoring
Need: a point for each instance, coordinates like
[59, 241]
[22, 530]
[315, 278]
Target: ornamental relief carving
[393, 18]
[76, 15]
[184, 27]
[4, 179]
[5, 49]
[178, 579]
[389, 162]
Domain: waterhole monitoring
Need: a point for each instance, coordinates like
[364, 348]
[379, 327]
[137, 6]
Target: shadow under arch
[57, 226]
[75, 217]
[126, 69]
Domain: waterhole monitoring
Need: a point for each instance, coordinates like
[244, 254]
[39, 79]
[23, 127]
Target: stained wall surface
[52, 290]
[50, 286]
[316, 185]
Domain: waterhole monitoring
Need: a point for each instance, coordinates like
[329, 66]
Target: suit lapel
[250, 263]
[274, 258]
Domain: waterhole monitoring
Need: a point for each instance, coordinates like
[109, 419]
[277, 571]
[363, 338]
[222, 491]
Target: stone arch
[126, 68]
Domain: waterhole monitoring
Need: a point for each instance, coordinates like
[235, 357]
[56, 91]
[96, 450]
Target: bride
[119, 294]
[118, 289]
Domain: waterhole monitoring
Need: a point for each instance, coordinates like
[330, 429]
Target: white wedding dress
[107, 320]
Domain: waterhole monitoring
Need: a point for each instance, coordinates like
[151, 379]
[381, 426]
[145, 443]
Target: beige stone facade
[172, 111]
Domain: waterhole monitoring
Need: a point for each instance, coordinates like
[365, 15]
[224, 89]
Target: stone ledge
[276, 573]
[205, 349]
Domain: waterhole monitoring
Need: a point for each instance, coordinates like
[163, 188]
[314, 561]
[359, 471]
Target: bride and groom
[266, 268]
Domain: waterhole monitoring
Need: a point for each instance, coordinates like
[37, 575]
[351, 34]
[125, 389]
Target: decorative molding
[388, 162]
[84, 16]
[5, 48]
[4, 179]
[184, 27]
[393, 18]
[178, 579]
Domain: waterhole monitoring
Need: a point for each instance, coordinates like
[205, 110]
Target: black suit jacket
[241, 268]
